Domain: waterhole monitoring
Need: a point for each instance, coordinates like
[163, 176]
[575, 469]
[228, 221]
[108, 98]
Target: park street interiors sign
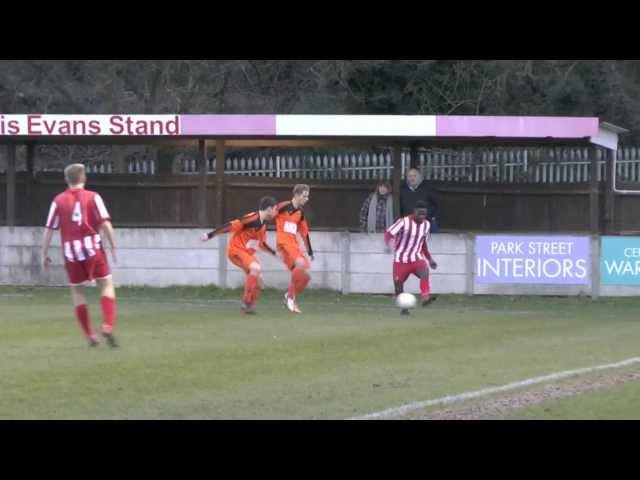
[532, 260]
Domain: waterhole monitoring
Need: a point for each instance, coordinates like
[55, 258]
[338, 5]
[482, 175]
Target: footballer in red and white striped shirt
[411, 253]
[82, 217]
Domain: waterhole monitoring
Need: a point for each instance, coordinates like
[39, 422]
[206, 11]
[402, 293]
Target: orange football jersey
[247, 232]
[289, 222]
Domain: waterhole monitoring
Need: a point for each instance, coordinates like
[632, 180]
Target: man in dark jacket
[415, 189]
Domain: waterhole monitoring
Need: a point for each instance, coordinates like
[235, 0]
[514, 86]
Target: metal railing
[557, 165]
[503, 165]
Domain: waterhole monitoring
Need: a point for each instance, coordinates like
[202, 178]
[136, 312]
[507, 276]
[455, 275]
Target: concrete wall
[162, 257]
[352, 263]
[145, 257]
[619, 291]
[370, 267]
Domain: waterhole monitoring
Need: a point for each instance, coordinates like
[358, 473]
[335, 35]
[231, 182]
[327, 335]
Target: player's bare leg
[82, 314]
[108, 301]
[299, 280]
[425, 287]
[252, 289]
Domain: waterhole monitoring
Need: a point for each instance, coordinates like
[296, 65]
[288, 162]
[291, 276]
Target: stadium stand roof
[223, 131]
[278, 129]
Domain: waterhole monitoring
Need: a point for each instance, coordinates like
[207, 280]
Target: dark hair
[383, 183]
[266, 202]
[420, 204]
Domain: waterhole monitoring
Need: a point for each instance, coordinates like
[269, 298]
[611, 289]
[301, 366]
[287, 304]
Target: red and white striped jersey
[78, 213]
[410, 239]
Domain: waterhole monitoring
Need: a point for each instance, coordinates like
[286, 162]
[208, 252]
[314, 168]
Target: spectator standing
[376, 214]
[415, 189]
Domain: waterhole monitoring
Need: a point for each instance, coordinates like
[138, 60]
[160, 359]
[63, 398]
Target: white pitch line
[404, 409]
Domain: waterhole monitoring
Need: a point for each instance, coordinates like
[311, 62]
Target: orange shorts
[242, 258]
[290, 253]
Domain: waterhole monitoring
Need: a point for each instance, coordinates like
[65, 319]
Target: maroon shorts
[86, 270]
[401, 271]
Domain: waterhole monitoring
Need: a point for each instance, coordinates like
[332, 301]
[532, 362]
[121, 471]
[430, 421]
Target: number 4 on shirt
[76, 216]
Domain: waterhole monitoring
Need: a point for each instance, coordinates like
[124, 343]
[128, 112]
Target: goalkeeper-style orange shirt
[289, 222]
[248, 233]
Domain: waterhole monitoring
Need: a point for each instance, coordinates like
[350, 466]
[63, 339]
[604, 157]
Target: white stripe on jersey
[410, 240]
[402, 238]
[396, 227]
[53, 219]
[416, 253]
[412, 235]
[101, 208]
[77, 249]
[406, 255]
[412, 253]
[80, 250]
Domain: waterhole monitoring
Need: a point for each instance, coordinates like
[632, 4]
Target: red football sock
[250, 287]
[425, 287]
[300, 279]
[82, 314]
[256, 292]
[108, 313]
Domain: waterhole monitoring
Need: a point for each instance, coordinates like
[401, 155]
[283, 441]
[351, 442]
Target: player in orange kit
[290, 221]
[246, 232]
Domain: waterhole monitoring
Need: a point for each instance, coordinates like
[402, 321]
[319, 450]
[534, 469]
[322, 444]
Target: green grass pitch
[188, 353]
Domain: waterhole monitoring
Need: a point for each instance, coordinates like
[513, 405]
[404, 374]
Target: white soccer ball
[406, 300]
